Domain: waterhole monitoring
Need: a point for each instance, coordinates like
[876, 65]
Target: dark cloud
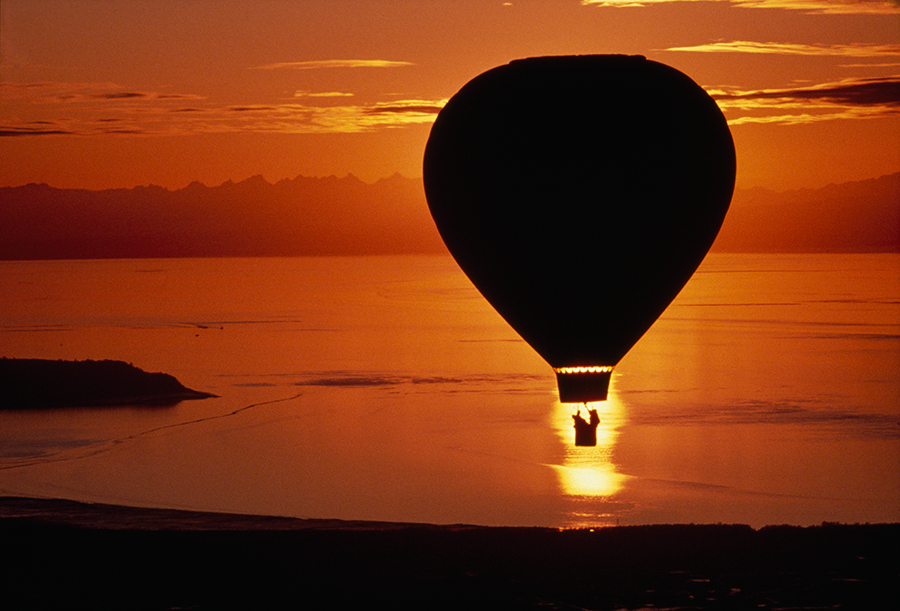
[12, 132]
[251, 108]
[862, 92]
[178, 96]
[400, 108]
[120, 95]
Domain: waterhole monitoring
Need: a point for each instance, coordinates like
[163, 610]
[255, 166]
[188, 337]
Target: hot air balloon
[579, 194]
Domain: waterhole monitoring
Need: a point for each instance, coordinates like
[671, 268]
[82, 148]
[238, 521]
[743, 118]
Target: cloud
[54, 92]
[120, 95]
[624, 3]
[809, 6]
[367, 117]
[846, 99]
[87, 110]
[628, 3]
[256, 108]
[781, 48]
[872, 65]
[50, 90]
[856, 92]
[322, 94]
[19, 131]
[825, 6]
[411, 107]
[334, 63]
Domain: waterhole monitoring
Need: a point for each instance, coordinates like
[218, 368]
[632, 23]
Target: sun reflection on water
[588, 474]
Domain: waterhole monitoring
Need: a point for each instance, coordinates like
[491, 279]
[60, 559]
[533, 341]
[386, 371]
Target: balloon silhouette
[579, 194]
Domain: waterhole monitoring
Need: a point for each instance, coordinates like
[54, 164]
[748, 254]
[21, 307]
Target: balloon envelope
[579, 194]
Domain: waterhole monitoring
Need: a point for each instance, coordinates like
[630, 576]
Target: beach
[64, 555]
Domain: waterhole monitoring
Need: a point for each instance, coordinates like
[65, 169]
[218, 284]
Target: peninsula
[39, 383]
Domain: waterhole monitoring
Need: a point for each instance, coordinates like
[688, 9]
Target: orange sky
[101, 93]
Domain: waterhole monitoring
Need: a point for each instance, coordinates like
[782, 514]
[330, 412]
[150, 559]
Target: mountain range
[862, 216]
[346, 216]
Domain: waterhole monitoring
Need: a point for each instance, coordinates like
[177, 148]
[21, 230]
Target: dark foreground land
[41, 383]
[65, 555]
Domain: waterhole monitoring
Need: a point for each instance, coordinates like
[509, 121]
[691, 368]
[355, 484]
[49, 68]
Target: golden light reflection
[589, 471]
[597, 481]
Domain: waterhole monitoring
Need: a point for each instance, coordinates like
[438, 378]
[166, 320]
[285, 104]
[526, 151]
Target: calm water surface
[385, 388]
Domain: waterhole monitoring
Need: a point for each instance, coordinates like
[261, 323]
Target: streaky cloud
[875, 91]
[410, 106]
[15, 132]
[825, 6]
[334, 63]
[53, 90]
[872, 65]
[781, 48]
[121, 95]
[804, 118]
[848, 99]
[251, 108]
[322, 94]
[809, 6]
[152, 116]
[56, 92]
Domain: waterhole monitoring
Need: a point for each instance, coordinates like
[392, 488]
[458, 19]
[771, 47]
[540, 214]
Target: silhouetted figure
[586, 431]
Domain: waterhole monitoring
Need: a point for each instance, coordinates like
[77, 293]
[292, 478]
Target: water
[385, 388]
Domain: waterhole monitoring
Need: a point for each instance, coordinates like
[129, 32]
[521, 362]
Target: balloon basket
[583, 386]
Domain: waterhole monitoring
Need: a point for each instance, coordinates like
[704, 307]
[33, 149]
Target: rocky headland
[40, 383]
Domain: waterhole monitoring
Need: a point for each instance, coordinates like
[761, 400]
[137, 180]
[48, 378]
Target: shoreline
[110, 516]
[62, 553]
[106, 516]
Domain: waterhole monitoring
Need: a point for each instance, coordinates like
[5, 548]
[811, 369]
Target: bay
[385, 388]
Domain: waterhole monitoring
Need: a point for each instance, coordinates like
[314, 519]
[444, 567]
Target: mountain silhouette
[303, 216]
[346, 216]
[862, 216]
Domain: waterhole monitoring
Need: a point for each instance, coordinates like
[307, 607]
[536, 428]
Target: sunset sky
[100, 93]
